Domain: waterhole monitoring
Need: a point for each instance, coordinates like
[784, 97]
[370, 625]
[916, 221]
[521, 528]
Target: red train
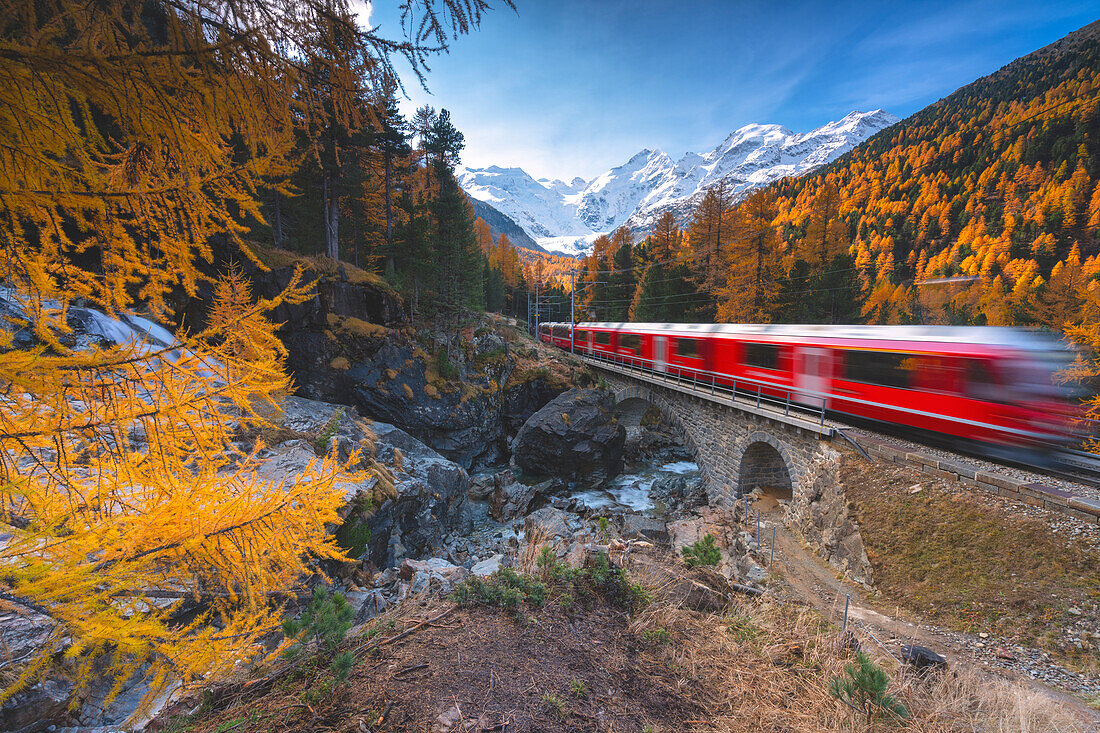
[995, 386]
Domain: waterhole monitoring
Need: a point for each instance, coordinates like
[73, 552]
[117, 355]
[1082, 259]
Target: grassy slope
[968, 560]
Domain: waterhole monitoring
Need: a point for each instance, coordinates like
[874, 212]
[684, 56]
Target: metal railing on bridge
[741, 391]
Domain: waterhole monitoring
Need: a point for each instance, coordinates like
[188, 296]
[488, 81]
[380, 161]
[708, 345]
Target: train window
[981, 381]
[603, 338]
[883, 368]
[581, 337]
[630, 341]
[764, 356]
[687, 348]
[561, 331]
[544, 328]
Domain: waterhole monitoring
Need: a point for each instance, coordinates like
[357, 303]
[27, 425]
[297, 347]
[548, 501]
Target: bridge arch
[763, 464]
[736, 450]
[632, 401]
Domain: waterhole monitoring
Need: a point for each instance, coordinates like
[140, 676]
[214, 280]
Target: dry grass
[961, 558]
[357, 326]
[320, 266]
[767, 666]
[758, 666]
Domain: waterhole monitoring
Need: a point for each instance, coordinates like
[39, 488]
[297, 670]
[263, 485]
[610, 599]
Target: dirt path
[812, 580]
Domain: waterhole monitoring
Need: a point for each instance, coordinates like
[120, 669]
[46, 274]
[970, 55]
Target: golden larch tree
[751, 263]
[133, 134]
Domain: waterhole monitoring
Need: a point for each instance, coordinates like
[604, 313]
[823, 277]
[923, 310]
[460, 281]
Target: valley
[357, 376]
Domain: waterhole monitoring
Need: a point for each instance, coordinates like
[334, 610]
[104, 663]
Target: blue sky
[573, 87]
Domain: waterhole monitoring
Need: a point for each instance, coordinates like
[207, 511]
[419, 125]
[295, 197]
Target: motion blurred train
[995, 387]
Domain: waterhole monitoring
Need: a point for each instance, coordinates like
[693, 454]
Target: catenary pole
[572, 314]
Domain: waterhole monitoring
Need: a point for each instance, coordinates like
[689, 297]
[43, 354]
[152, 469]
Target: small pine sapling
[863, 689]
[326, 621]
[703, 552]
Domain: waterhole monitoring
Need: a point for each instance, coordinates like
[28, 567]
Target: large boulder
[575, 436]
[526, 397]
[410, 511]
[510, 499]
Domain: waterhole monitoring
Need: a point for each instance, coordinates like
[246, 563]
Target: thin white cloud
[362, 10]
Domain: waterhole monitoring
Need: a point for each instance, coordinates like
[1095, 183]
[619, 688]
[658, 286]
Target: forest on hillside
[982, 209]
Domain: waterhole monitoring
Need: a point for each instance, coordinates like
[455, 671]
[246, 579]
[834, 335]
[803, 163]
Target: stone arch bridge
[739, 442]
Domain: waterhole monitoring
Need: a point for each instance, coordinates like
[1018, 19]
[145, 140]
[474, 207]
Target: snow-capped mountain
[566, 217]
[541, 210]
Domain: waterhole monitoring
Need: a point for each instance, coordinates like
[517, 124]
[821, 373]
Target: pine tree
[665, 240]
[709, 232]
[395, 152]
[621, 278]
[825, 235]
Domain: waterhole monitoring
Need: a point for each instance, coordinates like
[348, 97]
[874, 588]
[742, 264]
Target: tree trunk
[389, 208]
[277, 230]
[332, 216]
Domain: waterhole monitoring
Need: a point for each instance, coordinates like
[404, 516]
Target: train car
[996, 386]
[561, 335]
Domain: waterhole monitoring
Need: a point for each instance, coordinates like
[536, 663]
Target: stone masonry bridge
[740, 443]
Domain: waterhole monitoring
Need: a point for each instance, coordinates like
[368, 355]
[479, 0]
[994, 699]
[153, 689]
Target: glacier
[566, 217]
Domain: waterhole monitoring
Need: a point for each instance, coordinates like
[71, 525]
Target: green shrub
[578, 688]
[603, 527]
[323, 441]
[616, 587]
[505, 589]
[549, 565]
[443, 365]
[353, 537]
[703, 552]
[863, 689]
[325, 620]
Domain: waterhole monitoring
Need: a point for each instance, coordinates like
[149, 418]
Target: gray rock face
[39, 707]
[654, 444]
[469, 425]
[523, 400]
[639, 526]
[430, 501]
[45, 702]
[487, 566]
[576, 435]
[551, 522]
[510, 498]
[679, 493]
[429, 498]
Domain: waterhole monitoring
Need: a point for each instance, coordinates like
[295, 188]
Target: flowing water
[631, 491]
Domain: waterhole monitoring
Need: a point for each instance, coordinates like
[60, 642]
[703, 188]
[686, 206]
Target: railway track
[1079, 466]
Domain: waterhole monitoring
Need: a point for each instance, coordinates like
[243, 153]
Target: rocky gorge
[471, 441]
